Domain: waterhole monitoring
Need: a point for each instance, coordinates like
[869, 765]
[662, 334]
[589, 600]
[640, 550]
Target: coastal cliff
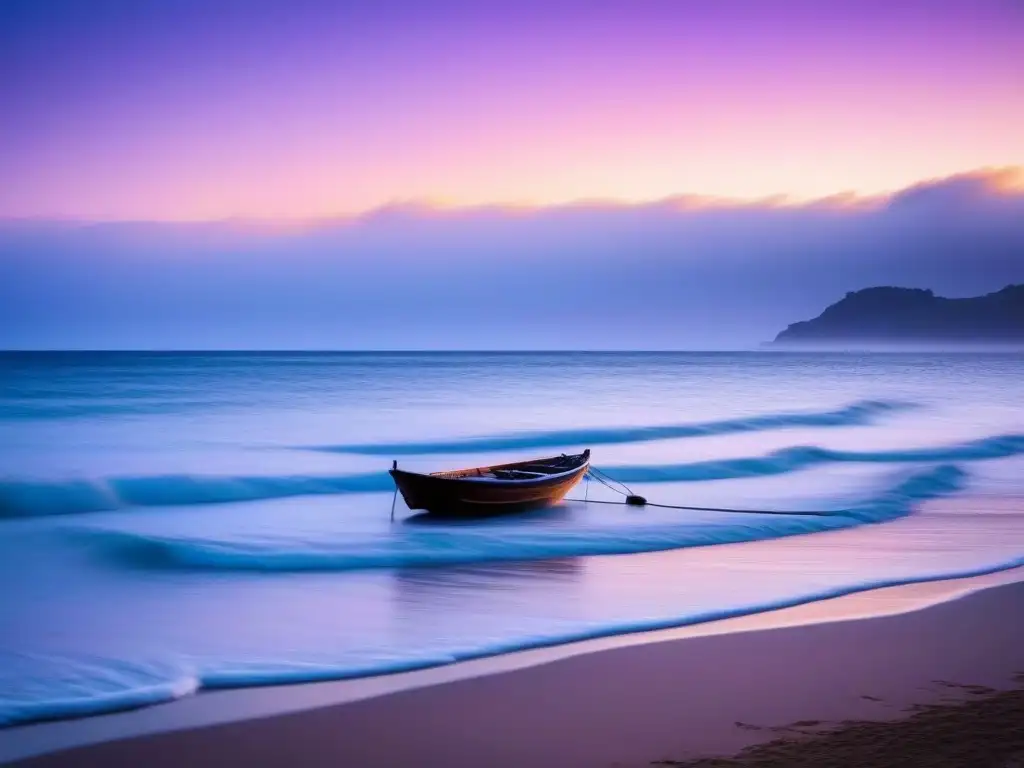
[910, 315]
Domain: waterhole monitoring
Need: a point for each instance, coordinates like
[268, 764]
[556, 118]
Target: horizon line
[765, 346]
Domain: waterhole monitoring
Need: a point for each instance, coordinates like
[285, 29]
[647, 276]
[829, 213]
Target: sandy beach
[676, 696]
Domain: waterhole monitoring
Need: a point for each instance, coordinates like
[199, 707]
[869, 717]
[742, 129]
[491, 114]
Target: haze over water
[176, 521]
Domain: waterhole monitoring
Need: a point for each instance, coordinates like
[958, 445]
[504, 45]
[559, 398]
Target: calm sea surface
[170, 522]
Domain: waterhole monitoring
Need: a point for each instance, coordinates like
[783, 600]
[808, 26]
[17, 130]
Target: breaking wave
[805, 457]
[455, 545]
[88, 686]
[859, 413]
[25, 498]
[20, 498]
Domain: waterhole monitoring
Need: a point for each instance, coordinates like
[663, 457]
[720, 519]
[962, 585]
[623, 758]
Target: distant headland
[911, 316]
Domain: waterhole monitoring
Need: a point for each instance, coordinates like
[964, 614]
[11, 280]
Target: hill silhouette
[912, 315]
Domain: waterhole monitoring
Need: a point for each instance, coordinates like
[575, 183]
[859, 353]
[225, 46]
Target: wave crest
[461, 544]
[26, 498]
[88, 686]
[804, 457]
[21, 498]
[858, 413]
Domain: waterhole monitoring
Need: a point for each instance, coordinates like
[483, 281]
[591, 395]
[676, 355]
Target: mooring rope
[633, 500]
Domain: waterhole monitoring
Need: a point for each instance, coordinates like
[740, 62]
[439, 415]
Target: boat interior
[526, 470]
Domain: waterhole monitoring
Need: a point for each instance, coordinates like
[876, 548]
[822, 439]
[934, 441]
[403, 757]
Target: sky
[568, 174]
[194, 110]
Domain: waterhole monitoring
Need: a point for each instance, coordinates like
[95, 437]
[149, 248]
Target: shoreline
[190, 729]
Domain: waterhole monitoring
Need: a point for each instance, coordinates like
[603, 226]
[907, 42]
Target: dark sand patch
[984, 731]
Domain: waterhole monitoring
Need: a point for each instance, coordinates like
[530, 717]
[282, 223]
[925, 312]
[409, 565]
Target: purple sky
[191, 109]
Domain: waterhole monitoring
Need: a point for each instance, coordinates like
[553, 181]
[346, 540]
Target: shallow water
[179, 521]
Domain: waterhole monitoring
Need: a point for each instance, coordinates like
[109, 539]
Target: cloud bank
[676, 274]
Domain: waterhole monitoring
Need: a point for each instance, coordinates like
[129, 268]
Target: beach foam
[95, 689]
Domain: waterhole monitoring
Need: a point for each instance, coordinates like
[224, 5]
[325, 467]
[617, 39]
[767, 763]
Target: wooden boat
[502, 488]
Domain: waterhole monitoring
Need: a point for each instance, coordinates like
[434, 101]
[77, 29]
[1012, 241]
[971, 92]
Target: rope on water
[633, 500]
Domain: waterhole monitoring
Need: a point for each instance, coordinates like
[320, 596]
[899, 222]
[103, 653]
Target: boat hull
[464, 497]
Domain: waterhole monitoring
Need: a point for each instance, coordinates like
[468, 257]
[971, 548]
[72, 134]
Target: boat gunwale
[440, 477]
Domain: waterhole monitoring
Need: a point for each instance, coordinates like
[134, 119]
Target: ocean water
[173, 522]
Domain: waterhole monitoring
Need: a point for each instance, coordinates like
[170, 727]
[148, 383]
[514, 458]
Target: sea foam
[85, 696]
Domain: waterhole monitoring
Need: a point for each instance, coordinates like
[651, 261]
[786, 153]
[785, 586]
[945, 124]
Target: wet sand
[673, 696]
